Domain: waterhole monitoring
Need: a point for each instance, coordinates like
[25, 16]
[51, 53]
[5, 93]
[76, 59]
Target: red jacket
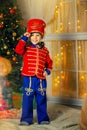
[35, 60]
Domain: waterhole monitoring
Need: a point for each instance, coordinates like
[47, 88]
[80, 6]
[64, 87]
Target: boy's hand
[45, 73]
[27, 34]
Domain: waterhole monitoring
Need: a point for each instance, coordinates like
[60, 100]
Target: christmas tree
[11, 30]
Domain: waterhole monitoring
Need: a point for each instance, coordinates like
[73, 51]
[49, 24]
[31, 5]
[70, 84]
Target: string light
[66, 23]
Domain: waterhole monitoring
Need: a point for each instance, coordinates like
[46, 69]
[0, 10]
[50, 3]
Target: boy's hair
[35, 32]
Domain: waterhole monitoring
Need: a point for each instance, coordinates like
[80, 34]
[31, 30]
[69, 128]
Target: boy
[37, 64]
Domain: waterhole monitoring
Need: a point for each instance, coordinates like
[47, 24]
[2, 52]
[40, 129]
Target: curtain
[43, 9]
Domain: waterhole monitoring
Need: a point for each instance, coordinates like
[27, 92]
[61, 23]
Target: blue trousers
[33, 86]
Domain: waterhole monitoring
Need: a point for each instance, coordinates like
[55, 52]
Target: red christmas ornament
[1, 25]
[21, 23]
[14, 58]
[12, 11]
[1, 16]
[7, 83]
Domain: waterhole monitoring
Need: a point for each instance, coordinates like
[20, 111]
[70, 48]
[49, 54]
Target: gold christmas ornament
[5, 47]
[14, 34]
[15, 7]
[8, 52]
[5, 66]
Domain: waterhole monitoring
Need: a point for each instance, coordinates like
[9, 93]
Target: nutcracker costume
[36, 60]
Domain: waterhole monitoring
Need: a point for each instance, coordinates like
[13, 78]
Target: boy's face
[35, 37]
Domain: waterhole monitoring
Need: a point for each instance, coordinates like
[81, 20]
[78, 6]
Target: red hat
[36, 25]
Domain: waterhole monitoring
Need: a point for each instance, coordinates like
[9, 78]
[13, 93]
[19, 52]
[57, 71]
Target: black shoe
[25, 123]
[44, 122]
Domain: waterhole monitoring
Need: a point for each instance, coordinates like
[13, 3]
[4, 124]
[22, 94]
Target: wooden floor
[62, 118]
